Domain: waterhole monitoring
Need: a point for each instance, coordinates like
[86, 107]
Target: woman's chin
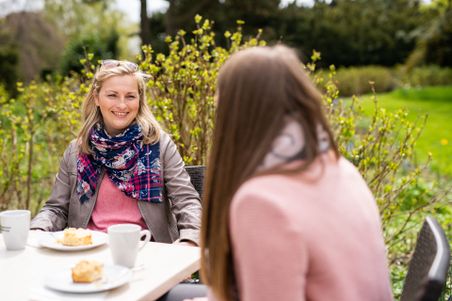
[118, 129]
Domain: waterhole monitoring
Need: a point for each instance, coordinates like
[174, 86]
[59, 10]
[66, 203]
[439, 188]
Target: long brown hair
[257, 89]
[91, 113]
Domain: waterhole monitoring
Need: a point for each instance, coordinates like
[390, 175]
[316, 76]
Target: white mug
[124, 242]
[14, 225]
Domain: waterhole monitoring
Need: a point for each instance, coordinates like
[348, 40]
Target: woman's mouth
[120, 114]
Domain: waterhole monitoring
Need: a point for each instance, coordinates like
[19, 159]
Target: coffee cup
[14, 225]
[124, 242]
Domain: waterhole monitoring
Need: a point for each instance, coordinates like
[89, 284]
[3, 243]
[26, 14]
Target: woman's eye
[131, 97]
[111, 95]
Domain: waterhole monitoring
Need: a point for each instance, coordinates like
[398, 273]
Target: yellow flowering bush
[182, 85]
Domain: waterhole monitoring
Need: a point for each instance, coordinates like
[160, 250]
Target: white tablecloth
[158, 268]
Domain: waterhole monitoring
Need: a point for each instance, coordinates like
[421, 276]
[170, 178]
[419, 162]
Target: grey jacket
[177, 217]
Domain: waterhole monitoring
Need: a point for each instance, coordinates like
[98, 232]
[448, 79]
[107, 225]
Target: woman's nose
[121, 102]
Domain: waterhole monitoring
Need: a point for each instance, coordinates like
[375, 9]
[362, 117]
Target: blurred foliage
[24, 42]
[89, 26]
[260, 14]
[8, 67]
[437, 133]
[363, 80]
[350, 32]
[439, 43]
[183, 84]
[346, 32]
[75, 18]
[434, 46]
[9, 57]
[102, 47]
[52, 41]
[428, 75]
[157, 38]
[35, 129]
[36, 126]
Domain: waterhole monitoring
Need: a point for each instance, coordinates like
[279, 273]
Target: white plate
[113, 276]
[50, 240]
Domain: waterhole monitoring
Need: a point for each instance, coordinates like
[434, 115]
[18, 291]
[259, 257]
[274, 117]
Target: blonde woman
[122, 168]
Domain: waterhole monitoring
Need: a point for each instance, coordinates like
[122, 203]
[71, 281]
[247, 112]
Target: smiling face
[119, 102]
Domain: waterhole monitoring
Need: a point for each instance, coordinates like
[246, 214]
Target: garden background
[385, 67]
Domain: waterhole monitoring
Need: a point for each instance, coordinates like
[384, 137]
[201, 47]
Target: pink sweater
[114, 207]
[311, 236]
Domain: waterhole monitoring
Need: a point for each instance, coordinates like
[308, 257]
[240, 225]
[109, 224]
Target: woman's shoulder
[263, 181]
[164, 137]
[263, 200]
[73, 146]
[348, 169]
[165, 141]
[72, 150]
[275, 185]
[263, 189]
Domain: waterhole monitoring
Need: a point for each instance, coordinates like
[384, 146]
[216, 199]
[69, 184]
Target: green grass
[436, 137]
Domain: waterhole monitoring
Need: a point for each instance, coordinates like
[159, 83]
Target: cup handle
[147, 238]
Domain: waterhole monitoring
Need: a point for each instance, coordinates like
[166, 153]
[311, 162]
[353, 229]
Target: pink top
[114, 207]
[310, 236]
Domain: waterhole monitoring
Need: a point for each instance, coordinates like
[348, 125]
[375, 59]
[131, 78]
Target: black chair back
[427, 271]
[196, 173]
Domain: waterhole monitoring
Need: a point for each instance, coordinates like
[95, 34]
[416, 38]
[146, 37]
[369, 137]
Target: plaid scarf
[133, 167]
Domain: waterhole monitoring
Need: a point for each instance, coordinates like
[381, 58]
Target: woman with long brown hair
[286, 217]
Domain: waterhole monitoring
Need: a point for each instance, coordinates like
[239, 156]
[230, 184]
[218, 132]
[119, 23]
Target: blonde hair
[91, 113]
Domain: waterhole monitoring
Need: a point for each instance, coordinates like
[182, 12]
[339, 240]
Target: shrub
[424, 76]
[183, 85]
[361, 80]
[8, 66]
[35, 129]
[101, 46]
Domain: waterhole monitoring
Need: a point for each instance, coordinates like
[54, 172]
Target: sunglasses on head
[116, 63]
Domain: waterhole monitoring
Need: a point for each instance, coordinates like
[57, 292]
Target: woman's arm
[185, 201]
[53, 216]
[270, 257]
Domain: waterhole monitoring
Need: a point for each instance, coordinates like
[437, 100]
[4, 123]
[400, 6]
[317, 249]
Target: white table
[22, 273]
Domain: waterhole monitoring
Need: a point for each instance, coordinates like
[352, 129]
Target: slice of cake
[76, 237]
[87, 271]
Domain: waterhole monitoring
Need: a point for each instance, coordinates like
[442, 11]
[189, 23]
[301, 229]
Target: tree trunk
[145, 27]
